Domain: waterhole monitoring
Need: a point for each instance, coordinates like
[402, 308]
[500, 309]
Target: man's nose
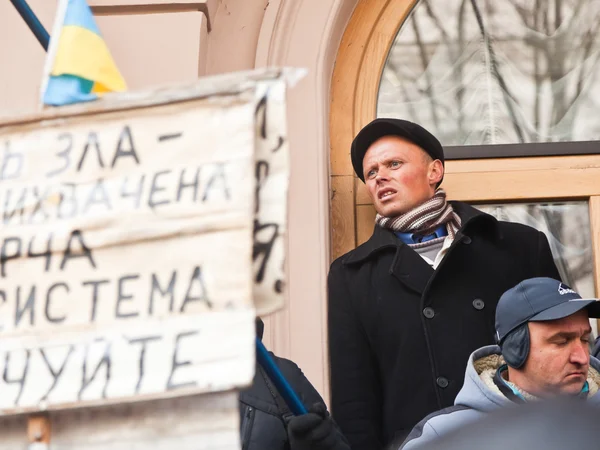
[382, 175]
[580, 353]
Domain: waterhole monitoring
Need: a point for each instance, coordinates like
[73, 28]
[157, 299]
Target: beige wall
[156, 42]
[151, 41]
[306, 33]
[21, 57]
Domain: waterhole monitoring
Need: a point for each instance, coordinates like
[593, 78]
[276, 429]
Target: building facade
[509, 86]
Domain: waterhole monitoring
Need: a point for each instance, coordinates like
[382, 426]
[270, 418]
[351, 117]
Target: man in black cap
[407, 308]
[544, 333]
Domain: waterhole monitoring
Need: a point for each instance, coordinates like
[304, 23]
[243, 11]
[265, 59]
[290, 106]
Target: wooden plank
[365, 222]
[458, 173]
[38, 429]
[344, 82]
[594, 205]
[362, 194]
[100, 215]
[142, 360]
[354, 87]
[200, 422]
[595, 232]
[522, 185]
[128, 236]
[376, 51]
[514, 185]
[523, 164]
[342, 215]
[271, 180]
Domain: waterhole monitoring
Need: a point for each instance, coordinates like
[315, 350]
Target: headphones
[515, 346]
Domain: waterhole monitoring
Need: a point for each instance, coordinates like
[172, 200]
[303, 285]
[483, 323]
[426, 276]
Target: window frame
[470, 174]
[567, 148]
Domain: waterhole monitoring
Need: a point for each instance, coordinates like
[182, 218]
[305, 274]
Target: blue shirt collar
[416, 238]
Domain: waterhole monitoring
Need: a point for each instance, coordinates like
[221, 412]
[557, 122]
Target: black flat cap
[379, 128]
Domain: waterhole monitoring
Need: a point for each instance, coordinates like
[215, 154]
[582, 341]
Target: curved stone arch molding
[355, 86]
[362, 56]
[299, 33]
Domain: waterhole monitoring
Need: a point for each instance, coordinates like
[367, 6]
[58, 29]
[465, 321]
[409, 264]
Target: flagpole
[61, 12]
[32, 22]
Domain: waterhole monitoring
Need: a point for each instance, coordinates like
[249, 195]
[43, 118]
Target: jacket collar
[382, 238]
[481, 392]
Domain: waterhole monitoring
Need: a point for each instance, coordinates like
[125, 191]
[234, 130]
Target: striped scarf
[425, 219]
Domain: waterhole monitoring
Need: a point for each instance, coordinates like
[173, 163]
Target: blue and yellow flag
[83, 68]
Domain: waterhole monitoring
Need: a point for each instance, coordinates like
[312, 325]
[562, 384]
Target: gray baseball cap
[539, 300]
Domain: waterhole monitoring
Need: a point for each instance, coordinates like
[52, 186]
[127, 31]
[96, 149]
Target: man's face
[559, 356]
[399, 175]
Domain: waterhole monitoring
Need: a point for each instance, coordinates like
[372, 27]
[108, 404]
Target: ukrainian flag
[82, 68]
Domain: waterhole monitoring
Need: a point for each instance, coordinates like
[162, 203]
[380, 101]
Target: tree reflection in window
[478, 72]
[567, 227]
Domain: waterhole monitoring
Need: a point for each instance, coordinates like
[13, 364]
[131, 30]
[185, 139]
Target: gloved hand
[315, 431]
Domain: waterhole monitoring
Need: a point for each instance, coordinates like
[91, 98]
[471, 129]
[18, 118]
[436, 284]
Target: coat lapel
[411, 269]
[408, 266]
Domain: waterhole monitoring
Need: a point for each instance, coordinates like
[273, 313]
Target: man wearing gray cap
[544, 337]
[407, 307]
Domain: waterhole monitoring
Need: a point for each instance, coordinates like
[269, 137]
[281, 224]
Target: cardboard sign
[136, 233]
[271, 178]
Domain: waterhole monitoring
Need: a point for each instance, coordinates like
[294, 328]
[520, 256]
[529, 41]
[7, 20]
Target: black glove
[315, 431]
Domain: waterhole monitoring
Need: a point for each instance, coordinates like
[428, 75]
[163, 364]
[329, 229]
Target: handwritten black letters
[123, 237]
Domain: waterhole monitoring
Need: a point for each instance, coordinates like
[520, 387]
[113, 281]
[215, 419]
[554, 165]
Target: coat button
[429, 312]
[442, 382]
[478, 304]
[466, 240]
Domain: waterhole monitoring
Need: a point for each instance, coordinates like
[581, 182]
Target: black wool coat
[400, 332]
[263, 422]
[264, 415]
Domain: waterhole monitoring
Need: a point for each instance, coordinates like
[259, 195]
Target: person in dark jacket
[557, 424]
[544, 334]
[266, 423]
[408, 307]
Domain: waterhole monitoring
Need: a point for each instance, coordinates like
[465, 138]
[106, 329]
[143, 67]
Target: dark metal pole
[283, 386]
[32, 22]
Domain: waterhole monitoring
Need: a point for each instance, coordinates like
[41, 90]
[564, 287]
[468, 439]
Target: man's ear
[436, 172]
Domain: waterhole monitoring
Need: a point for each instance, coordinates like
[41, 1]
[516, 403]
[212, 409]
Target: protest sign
[137, 235]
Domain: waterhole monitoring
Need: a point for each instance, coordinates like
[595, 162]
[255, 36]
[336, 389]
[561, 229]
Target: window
[489, 74]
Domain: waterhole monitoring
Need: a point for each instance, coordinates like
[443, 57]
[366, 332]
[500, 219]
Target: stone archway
[306, 34]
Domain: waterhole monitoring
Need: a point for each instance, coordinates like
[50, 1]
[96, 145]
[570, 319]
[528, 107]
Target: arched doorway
[537, 161]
